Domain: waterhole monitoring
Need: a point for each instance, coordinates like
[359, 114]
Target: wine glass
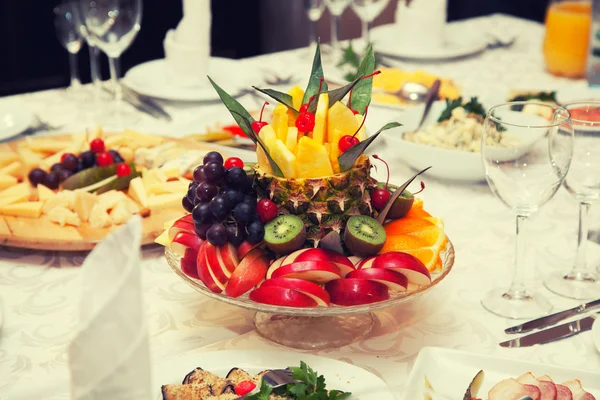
[583, 183]
[336, 8]
[67, 31]
[314, 11]
[526, 158]
[367, 11]
[113, 25]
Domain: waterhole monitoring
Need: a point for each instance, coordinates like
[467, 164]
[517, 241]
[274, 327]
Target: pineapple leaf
[335, 95]
[394, 196]
[347, 159]
[245, 124]
[280, 97]
[315, 77]
[237, 110]
[332, 241]
[361, 96]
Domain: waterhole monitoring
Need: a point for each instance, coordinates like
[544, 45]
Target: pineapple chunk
[334, 149]
[7, 157]
[362, 134]
[312, 159]
[291, 141]
[268, 136]
[297, 94]
[342, 118]
[45, 194]
[63, 216]
[285, 159]
[7, 181]
[319, 133]
[280, 121]
[30, 209]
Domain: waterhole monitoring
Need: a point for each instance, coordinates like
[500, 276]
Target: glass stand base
[313, 333]
[526, 306]
[579, 286]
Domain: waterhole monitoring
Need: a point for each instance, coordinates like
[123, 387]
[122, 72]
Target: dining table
[41, 290]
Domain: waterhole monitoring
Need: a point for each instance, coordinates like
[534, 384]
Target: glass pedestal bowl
[317, 327]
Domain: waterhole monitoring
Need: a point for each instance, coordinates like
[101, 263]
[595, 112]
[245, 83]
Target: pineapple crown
[360, 88]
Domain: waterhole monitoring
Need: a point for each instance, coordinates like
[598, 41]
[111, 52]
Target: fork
[275, 378]
[39, 126]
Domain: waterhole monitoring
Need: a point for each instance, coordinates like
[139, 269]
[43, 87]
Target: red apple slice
[181, 225]
[407, 265]
[290, 258]
[188, 263]
[366, 262]
[315, 271]
[312, 290]
[204, 271]
[249, 273]
[343, 263]
[393, 280]
[278, 296]
[184, 240]
[276, 264]
[355, 260]
[353, 292]
[245, 248]
[228, 256]
[217, 269]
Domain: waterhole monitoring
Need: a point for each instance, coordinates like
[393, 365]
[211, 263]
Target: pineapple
[334, 150]
[291, 140]
[280, 121]
[324, 203]
[268, 136]
[313, 160]
[284, 158]
[342, 118]
[319, 133]
[297, 94]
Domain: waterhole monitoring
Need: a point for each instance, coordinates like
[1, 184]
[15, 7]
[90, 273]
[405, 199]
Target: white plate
[338, 375]
[458, 44]
[451, 371]
[15, 117]
[596, 333]
[152, 79]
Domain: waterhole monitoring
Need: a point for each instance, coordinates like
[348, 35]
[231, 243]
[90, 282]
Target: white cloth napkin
[109, 356]
[194, 28]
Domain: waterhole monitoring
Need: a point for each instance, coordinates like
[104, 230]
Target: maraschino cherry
[257, 125]
[380, 197]
[306, 120]
[347, 142]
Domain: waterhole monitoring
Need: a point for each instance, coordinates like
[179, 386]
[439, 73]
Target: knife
[553, 334]
[146, 101]
[142, 106]
[552, 319]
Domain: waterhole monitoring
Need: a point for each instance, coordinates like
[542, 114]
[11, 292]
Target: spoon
[410, 92]
[431, 96]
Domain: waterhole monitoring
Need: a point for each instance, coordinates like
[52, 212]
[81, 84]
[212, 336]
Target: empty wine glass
[336, 8]
[314, 11]
[367, 11]
[526, 158]
[67, 31]
[113, 25]
[583, 183]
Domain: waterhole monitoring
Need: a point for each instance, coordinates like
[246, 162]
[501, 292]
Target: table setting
[397, 216]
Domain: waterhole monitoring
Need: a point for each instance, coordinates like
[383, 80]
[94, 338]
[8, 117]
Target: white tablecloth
[40, 288]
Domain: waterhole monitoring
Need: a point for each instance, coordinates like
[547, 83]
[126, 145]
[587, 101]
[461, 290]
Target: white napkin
[109, 356]
[194, 28]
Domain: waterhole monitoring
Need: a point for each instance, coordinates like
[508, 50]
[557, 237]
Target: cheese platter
[68, 192]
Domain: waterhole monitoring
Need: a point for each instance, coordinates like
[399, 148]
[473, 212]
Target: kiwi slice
[285, 234]
[364, 236]
[401, 205]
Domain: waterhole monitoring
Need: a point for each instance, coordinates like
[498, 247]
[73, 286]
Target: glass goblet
[583, 183]
[367, 11]
[526, 157]
[336, 8]
[67, 31]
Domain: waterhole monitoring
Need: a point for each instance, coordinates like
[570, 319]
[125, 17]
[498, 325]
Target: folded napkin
[109, 356]
[194, 28]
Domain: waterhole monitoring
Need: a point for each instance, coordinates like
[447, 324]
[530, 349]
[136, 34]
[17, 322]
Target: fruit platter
[306, 231]
[67, 192]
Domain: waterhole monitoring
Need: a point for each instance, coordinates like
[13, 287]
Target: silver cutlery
[553, 334]
[40, 126]
[430, 97]
[142, 104]
[275, 378]
[553, 319]
[497, 43]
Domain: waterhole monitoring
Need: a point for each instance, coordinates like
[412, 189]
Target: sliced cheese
[152, 177]
[163, 239]
[7, 181]
[84, 202]
[160, 201]
[44, 194]
[20, 189]
[77, 144]
[29, 158]
[64, 199]
[7, 157]
[46, 145]
[114, 141]
[99, 218]
[109, 200]
[180, 187]
[19, 198]
[120, 214]
[170, 172]
[64, 216]
[15, 168]
[30, 209]
[97, 133]
[138, 192]
[126, 153]
[143, 140]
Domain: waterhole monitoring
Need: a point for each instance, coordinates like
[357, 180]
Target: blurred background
[239, 29]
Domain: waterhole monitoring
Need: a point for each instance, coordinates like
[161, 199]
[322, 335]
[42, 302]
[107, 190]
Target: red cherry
[244, 387]
[305, 122]
[354, 111]
[62, 158]
[303, 108]
[266, 210]
[97, 145]
[347, 142]
[258, 125]
[379, 198]
[233, 162]
[103, 159]
[123, 169]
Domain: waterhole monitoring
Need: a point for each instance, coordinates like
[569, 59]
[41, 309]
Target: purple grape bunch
[222, 204]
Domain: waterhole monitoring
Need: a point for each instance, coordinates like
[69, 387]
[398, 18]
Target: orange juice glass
[567, 37]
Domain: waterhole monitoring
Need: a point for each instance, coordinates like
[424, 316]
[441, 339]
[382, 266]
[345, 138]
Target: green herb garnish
[352, 60]
[308, 386]
[472, 107]
[541, 96]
